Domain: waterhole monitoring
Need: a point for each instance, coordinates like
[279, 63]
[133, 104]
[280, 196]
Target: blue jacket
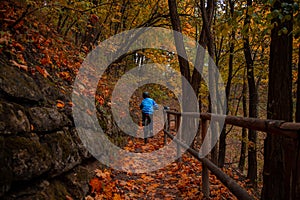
[147, 106]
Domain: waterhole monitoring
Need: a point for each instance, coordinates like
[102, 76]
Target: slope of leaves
[35, 47]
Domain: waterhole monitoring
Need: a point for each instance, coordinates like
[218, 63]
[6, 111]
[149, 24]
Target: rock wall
[38, 141]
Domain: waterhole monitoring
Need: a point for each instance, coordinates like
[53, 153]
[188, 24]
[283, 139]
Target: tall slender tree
[253, 97]
[296, 170]
[244, 130]
[222, 143]
[206, 12]
[277, 176]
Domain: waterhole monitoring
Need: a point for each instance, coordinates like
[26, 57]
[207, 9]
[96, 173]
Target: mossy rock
[28, 158]
[64, 151]
[6, 175]
[57, 190]
[47, 119]
[18, 85]
[42, 190]
[13, 118]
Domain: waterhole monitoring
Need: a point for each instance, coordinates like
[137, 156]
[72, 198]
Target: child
[148, 106]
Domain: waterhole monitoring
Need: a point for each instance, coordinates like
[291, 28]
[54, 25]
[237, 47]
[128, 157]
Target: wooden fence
[287, 129]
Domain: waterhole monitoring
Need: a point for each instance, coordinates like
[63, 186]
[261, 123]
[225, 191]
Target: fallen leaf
[24, 67]
[4, 40]
[89, 198]
[46, 60]
[42, 71]
[96, 185]
[19, 25]
[47, 42]
[100, 100]
[85, 49]
[103, 175]
[60, 104]
[117, 197]
[236, 177]
[21, 58]
[18, 46]
[68, 197]
[65, 76]
[152, 186]
[89, 112]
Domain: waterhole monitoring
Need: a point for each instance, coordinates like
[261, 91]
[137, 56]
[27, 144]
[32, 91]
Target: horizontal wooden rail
[233, 186]
[278, 127]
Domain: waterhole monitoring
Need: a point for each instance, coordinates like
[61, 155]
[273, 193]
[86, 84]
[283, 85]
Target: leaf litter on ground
[178, 180]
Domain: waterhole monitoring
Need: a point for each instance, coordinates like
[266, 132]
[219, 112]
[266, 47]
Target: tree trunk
[186, 123]
[206, 13]
[244, 130]
[279, 153]
[183, 64]
[253, 99]
[297, 115]
[199, 62]
[296, 170]
[222, 142]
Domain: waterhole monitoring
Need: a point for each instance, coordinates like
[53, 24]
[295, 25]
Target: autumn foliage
[34, 47]
[178, 180]
[50, 39]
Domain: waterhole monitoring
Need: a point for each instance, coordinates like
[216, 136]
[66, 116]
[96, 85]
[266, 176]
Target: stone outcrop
[40, 151]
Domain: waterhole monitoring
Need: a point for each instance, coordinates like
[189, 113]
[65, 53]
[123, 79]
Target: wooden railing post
[166, 124]
[205, 175]
[177, 124]
[276, 127]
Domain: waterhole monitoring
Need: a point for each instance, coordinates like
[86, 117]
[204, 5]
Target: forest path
[177, 180]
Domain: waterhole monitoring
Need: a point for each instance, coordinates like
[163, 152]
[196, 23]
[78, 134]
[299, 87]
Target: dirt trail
[177, 180]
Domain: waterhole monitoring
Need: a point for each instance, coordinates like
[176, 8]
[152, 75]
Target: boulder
[13, 119]
[18, 85]
[47, 119]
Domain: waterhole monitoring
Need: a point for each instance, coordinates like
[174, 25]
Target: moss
[102, 116]
[28, 157]
[6, 175]
[19, 85]
[58, 191]
[77, 182]
[103, 124]
[83, 174]
[60, 140]
[33, 147]
[67, 144]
